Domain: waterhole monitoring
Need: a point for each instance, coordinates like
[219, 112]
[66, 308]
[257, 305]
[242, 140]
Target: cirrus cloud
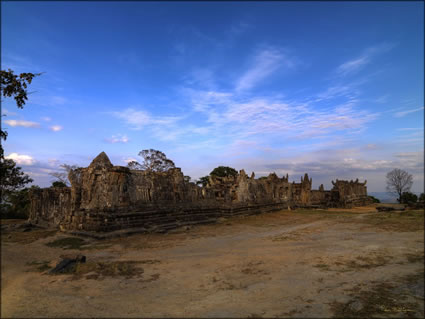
[22, 123]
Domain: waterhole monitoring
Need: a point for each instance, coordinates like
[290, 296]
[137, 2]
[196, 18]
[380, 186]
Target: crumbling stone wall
[349, 193]
[50, 206]
[244, 189]
[104, 197]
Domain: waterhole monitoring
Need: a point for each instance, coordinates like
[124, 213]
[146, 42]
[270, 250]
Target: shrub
[375, 200]
[58, 184]
[16, 204]
[224, 171]
[408, 198]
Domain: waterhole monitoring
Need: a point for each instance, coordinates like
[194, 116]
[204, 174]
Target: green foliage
[13, 85]
[224, 171]
[58, 184]
[16, 203]
[203, 181]
[16, 86]
[421, 197]
[11, 177]
[408, 198]
[187, 178]
[375, 200]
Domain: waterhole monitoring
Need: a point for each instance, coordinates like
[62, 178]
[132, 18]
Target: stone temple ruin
[104, 198]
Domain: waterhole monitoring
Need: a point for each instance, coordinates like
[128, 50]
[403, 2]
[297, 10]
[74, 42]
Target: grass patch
[27, 237]
[322, 266]
[358, 264]
[407, 221]
[67, 243]
[366, 262]
[12, 221]
[379, 300]
[415, 258]
[149, 261]
[127, 269]
[39, 266]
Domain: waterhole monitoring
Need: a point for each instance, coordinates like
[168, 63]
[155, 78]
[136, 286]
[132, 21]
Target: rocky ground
[303, 263]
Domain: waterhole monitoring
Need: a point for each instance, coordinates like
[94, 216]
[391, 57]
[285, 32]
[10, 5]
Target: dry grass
[381, 299]
[12, 221]
[415, 258]
[99, 270]
[359, 263]
[407, 221]
[39, 266]
[67, 243]
[27, 237]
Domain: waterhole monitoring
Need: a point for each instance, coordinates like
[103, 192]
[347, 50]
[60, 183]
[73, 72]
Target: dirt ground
[302, 263]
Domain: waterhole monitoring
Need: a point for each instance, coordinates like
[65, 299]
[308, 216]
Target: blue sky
[331, 89]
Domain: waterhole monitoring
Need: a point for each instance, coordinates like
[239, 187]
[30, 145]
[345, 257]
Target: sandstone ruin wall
[103, 197]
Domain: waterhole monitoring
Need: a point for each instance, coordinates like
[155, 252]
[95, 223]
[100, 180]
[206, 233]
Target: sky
[332, 89]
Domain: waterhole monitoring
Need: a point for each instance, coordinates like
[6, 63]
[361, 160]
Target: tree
[224, 171]
[12, 85]
[17, 204]
[203, 181]
[421, 198]
[153, 161]
[62, 177]
[374, 199]
[11, 180]
[187, 178]
[398, 182]
[16, 86]
[134, 165]
[58, 184]
[11, 177]
[408, 198]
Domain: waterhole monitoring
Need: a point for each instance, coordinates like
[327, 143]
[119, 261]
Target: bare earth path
[286, 264]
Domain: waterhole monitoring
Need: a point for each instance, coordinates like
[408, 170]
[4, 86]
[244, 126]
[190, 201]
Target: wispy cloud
[6, 112]
[404, 113]
[138, 118]
[241, 117]
[365, 58]
[21, 159]
[410, 129]
[353, 65]
[46, 119]
[119, 138]
[56, 128]
[239, 27]
[265, 63]
[22, 123]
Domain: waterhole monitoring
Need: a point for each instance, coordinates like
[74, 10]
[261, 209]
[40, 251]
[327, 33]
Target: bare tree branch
[398, 182]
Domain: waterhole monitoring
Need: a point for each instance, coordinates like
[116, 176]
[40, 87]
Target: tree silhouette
[398, 182]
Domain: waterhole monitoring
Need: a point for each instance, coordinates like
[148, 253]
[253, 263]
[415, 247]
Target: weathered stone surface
[349, 193]
[104, 197]
[49, 206]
